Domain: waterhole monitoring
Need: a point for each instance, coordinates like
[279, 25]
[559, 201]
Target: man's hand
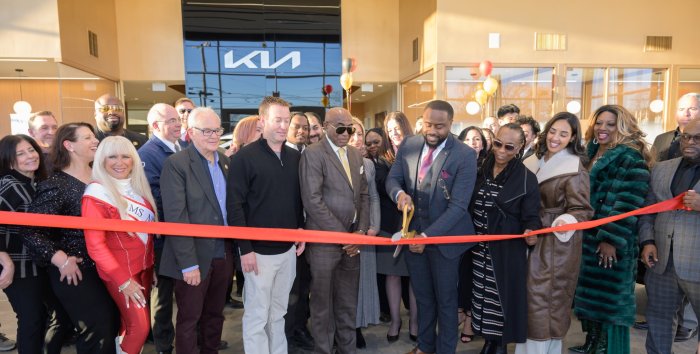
[649, 255]
[352, 250]
[691, 200]
[301, 246]
[371, 232]
[249, 263]
[192, 277]
[404, 199]
[417, 248]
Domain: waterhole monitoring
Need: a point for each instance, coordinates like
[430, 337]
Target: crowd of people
[110, 290]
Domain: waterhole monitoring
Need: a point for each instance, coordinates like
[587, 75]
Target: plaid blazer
[679, 228]
[16, 193]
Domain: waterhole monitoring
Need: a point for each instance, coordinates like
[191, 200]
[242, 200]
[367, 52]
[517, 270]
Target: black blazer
[188, 197]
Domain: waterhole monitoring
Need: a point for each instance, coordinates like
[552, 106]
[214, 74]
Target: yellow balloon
[324, 101]
[490, 85]
[481, 96]
[346, 81]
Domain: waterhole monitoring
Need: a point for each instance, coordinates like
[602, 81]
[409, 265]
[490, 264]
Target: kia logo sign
[247, 60]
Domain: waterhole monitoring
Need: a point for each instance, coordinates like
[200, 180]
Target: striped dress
[487, 312]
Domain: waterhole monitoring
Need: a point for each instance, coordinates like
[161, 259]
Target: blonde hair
[118, 145]
[245, 131]
[357, 121]
[628, 131]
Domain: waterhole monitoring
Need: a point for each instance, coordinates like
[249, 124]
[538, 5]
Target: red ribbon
[288, 235]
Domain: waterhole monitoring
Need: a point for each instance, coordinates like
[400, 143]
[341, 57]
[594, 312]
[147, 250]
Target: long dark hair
[384, 147]
[484, 150]
[60, 157]
[403, 124]
[575, 145]
[8, 155]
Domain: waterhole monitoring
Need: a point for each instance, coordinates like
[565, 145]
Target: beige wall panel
[78, 98]
[370, 31]
[76, 17]
[150, 40]
[599, 31]
[29, 29]
[386, 102]
[417, 19]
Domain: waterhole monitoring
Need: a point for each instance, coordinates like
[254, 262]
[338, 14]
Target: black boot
[601, 345]
[359, 339]
[500, 348]
[591, 339]
[488, 348]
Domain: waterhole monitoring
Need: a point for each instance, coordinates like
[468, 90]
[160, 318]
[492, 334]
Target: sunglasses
[687, 137]
[111, 107]
[183, 110]
[373, 142]
[499, 144]
[341, 130]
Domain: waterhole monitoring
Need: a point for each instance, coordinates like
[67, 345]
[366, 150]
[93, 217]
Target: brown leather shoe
[417, 351]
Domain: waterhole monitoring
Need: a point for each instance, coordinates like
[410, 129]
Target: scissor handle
[407, 216]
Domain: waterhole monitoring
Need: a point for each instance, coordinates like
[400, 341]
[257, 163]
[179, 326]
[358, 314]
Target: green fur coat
[619, 183]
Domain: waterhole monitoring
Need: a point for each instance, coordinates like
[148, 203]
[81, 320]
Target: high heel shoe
[464, 337]
[392, 339]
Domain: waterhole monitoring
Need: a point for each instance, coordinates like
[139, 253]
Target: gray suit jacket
[329, 200]
[680, 226]
[662, 144]
[453, 171]
[188, 197]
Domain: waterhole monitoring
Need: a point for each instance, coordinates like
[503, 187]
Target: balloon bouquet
[349, 66]
[488, 88]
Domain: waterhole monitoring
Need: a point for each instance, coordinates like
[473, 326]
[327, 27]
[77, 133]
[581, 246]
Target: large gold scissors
[404, 233]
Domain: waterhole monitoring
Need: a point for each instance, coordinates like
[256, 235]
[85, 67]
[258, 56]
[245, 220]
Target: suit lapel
[666, 179]
[333, 157]
[412, 159]
[201, 174]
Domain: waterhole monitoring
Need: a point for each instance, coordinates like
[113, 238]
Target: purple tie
[425, 166]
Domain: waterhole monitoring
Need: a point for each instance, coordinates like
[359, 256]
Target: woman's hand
[607, 255]
[68, 267]
[8, 270]
[371, 232]
[132, 292]
[530, 240]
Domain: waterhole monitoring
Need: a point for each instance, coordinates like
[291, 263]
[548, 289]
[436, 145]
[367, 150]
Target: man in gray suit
[666, 145]
[670, 241]
[335, 197]
[435, 174]
[193, 188]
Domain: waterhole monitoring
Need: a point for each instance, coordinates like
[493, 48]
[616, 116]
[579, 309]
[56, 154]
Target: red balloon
[328, 89]
[485, 68]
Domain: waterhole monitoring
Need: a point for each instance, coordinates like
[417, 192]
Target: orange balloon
[346, 81]
[325, 101]
[481, 97]
[490, 85]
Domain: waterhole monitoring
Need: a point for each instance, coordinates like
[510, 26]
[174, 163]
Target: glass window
[585, 90]
[688, 81]
[416, 94]
[641, 91]
[528, 88]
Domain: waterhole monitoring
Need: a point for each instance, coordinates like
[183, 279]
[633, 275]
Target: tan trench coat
[554, 265]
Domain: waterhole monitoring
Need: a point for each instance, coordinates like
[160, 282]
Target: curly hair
[628, 131]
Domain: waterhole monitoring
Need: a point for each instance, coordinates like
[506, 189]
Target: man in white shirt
[298, 133]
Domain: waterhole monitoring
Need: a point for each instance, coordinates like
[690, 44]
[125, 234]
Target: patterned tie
[177, 147]
[344, 160]
[425, 166]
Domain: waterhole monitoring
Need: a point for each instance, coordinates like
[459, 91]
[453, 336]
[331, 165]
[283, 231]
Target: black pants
[298, 307]
[162, 309]
[41, 321]
[466, 278]
[91, 310]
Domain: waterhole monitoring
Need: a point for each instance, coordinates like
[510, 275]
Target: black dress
[390, 223]
[88, 305]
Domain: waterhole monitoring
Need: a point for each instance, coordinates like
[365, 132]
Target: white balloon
[656, 106]
[473, 107]
[22, 107]
[573, 107]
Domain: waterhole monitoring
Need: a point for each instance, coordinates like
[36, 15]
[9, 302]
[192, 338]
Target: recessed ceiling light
[364, 95]
[380, 85]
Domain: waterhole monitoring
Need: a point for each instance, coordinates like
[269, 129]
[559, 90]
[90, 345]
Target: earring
[595, 141]
[518, 156]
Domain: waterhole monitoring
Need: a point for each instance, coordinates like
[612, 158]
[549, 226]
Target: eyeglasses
[342, 129]
[170, 121]
[111, 107]
[183, 110]
[499, 144]
[687, 138]
[209, 132]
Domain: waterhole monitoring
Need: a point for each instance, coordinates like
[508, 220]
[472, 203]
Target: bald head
[337, 119]
[165, 122]
[109, 114]
[690, 141]
[688, 109]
